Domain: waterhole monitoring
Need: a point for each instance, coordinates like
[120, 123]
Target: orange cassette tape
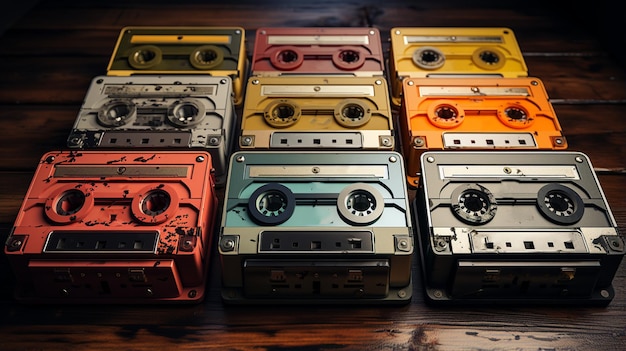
[474, 114]
[115, 227]
[352, 51]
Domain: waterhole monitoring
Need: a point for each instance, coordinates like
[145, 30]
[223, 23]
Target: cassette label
[317, 51]
[115, 227]
[217, 51]
[316, 227]
[158, 112]
[317, 113]
[515, 227]
[419, 52]
[476, 113]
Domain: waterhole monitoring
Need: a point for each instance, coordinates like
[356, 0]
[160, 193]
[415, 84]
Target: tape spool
[560, 204]
[352, 113]
[360, 204]
[271, 204]
[286, 58]
[488, 58]
[349, 59]
[145, 57]
[515, 116]
[117, 113]
[206, 57]
[155, 204]
[429, 58]
[282, 113]
[473, 204]
[68, 204]
[446, 114]
[186, 112]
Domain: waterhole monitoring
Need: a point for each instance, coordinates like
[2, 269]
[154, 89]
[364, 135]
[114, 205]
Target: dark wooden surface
[49, 55]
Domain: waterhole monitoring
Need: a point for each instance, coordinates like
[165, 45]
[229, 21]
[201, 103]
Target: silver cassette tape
[530, 227]
[316, 227]
[152, 111]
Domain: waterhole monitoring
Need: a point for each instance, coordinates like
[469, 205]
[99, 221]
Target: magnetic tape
[351, 51]
[453, 51]
[158, 112]
[475, 113]
[218, 51]
[317, 113]
[528, 227]
[115, 227]
[316, 227]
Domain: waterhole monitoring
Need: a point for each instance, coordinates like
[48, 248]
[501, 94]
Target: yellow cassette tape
[474, 114]
[453, 51]
[218, 51]
[317, 112]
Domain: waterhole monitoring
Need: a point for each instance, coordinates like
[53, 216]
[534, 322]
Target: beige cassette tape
[320, 112]
[453, 51]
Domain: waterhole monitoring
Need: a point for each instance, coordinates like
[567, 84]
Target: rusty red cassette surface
[115, 227]
[352, 51]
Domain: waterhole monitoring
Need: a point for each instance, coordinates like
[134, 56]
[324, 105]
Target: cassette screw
[398, 32]
[200, 159]
[317, 89]
[378, 82]
[401, 294]
[223, 81]
[228, 245]
[411, 83]
[579, 159]
[121, 170]
[605, 294]
[558, 141]
[255, 81]
[386, 141]
[393, 159]
[440, 245]
[16, 243]
[453, 38]
[438, 294]
[49, 159]
[418, 142]
[65, 292]
[475, 90]
[214, 141]
[237, 31]
[371, 32]
[430, 159]
[534, 82]
[246, 141]
[315, 170]
[149, 292]
[240, 159]
[192, 294]
[507, 170]
[403, 245]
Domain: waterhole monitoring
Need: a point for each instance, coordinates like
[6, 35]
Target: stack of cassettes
[503, 211]
[316, 207]
[127, 214]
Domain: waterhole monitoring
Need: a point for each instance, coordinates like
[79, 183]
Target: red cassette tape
[352, 51]
[115, 227]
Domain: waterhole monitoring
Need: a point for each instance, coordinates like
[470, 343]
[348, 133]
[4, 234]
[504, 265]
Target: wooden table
[50, 55]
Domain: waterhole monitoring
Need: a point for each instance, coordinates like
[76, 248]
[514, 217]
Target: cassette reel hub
[68, 204]
[429, 57]
[282, 114]
[446, 114]
[352, 113]
[360, 204]
[488, 58]
[145, 57]
[117, 113]
[473, 204]
[155, 204]
[206, 57]
[287, 58]
[271, 204]
[560, 204]
[515, 116]
[349, 59]
[186, 113]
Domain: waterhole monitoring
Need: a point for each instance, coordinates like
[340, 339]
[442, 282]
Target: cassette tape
[528, 227]
[475, 113]
[316, 227]
[163, 112]
[317, 113]
[352, 51]
[418, 52]
[217, 51]
[127, 227]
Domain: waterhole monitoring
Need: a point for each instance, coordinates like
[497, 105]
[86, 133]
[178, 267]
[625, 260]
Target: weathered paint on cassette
[158, 112]
[217, 51]
[115, 227]
[317, 113]
[352, 51]
[475, 113]
[452, 51]
[515, 227]
[316, 227]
